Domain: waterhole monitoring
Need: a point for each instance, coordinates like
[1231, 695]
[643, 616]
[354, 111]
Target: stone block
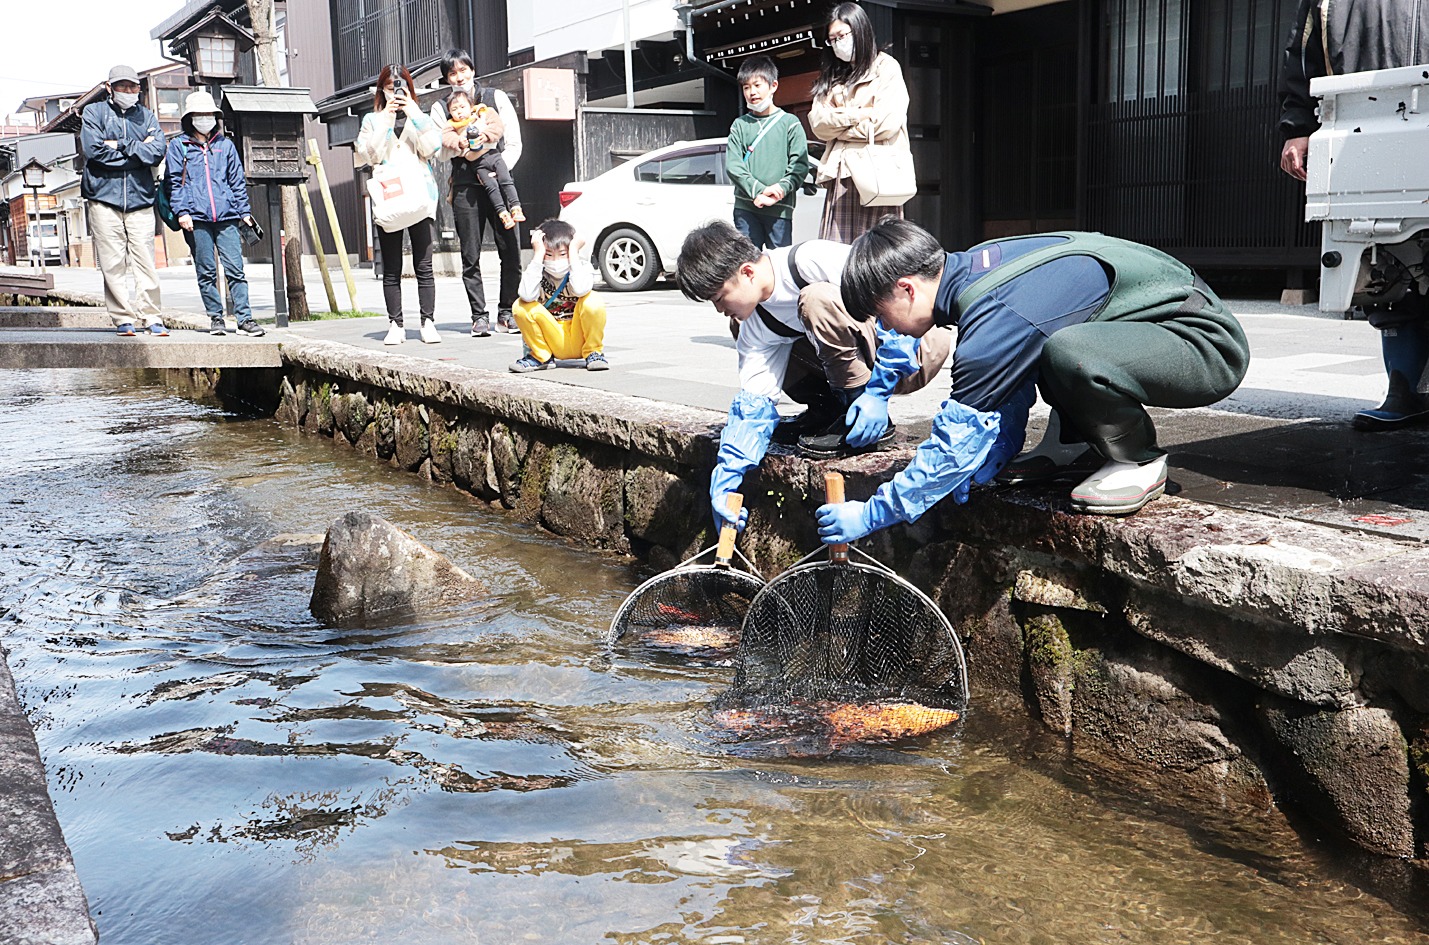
[1319, 670]
[442, 438]
[510, 447]
[1350, 768]
[319, 415]
[1051, 669]
[385, 421]
[289, 414]
[472, 467]
[410, 434]
[664, 509]
[351, 414]
[584, 495]
[1063, 590]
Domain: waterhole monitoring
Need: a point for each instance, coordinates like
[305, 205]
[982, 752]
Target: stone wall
[1228, 657]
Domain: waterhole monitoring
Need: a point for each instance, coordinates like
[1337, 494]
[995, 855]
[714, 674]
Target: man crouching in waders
[1104, 327]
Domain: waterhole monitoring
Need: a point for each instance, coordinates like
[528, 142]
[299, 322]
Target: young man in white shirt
[788, 308]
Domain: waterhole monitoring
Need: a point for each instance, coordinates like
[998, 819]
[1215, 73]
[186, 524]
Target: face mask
[760, 105]
[204, 124]
[843, 48]
[557, 267]
[126, 100]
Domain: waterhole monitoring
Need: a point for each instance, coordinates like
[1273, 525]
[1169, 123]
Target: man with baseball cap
[121, 142]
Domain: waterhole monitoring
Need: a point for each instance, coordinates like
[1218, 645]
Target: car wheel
[628, 261]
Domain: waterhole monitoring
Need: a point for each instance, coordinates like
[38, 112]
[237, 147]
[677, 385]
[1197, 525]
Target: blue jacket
[206, 179]
[120, 175]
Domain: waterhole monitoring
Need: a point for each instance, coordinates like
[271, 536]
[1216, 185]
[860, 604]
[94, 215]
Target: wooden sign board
[550, 94]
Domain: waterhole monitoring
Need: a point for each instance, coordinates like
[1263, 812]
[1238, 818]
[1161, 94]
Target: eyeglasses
[835, 37]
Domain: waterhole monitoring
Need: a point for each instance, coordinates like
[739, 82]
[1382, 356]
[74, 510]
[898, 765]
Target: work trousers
[1101, 376]
[546, 336]
[847, 347]
[422, 234]
[472, 209]
[124, 248]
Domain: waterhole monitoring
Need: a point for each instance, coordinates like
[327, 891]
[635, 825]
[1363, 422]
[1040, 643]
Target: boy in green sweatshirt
[767, 158]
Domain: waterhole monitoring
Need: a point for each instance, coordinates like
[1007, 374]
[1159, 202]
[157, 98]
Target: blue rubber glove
[944, 464]
[742, 446]
[896, 358]
[1011, 432]
[867, 418]
[842, 522]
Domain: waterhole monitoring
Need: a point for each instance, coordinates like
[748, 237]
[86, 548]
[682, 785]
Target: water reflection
[226, 769]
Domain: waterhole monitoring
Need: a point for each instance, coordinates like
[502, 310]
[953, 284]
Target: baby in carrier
[472, 121]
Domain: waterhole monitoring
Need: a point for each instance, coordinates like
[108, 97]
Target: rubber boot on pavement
[1406, 348]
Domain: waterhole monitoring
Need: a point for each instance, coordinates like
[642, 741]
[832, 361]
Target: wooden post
[316, 161]
[318, 246]
[275, 222]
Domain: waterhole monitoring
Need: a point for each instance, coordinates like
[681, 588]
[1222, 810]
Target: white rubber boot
[1120, 488]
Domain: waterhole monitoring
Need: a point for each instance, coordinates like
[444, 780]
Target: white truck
[1368, 183]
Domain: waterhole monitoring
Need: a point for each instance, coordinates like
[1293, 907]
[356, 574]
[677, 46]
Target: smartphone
[399, 84]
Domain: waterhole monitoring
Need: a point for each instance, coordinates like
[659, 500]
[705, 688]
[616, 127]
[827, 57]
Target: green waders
[1161, 339]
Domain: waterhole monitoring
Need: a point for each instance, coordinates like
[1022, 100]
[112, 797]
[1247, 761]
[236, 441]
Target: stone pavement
[1280, 445]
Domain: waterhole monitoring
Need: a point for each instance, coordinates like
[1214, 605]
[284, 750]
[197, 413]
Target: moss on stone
[1045, 641]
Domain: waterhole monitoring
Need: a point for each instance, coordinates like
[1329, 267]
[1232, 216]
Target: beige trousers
[846, 346]
[124, 247]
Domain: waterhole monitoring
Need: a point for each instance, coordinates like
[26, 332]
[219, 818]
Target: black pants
[495, 176]
[422, 234]
[473, 210]
[1101, 376]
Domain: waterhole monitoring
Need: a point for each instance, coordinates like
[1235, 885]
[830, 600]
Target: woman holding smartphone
[397, 122]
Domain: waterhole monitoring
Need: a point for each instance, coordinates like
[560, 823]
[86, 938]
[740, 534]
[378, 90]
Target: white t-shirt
[764, 353]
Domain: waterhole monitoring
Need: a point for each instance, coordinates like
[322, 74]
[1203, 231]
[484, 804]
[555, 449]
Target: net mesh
[849, 648]
[695, 610]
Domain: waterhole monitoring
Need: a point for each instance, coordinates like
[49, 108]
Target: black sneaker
[252, 329]
[216, 326]
[833, 446]
[815, 421]
[1035, 467]
[480, 326]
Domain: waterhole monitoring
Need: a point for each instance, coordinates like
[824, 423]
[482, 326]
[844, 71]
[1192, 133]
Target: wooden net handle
[727, 533]
[834, 494]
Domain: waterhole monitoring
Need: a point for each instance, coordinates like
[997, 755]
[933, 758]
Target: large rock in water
[372, 569]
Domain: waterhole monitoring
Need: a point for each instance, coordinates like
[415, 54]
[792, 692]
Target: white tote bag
[882, 173]
[403, 191]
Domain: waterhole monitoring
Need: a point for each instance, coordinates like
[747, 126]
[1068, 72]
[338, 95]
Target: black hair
[556, 234]
[833, 70]
[710, 256]
[758, 67]
[454, 58]
[893, 249]
[455, 94]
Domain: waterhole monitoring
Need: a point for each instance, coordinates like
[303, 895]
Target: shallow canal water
[228, 771]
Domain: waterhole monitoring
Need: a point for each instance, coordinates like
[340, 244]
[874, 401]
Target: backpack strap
[559, 289]
[775, 325]
[1012, 269]
[794, 272]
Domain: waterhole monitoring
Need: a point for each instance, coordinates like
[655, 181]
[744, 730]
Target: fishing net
[847, 647]
[694, 609]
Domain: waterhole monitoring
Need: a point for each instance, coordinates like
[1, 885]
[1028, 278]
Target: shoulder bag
[402, 189]
[883, 174]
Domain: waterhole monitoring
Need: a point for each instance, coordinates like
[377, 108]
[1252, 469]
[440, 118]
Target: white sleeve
[582, 274]
[507, 111]
[823, 261]
[530, 288]
[763, 359]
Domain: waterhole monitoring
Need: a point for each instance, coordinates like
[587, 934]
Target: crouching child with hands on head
[558, 314]
[1103, 327]
[795, 337]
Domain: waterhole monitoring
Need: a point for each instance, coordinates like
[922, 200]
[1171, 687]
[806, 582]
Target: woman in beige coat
[859, 96]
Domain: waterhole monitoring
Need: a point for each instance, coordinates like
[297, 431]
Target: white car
[635, 216]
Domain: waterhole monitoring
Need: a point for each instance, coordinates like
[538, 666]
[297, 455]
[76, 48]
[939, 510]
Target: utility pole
[260, 13]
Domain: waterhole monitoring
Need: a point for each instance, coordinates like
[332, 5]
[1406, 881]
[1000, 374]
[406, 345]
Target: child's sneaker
[518, 214]
[216, 326]
[252, 329]
[125, 330]
[158, 330]
[506, 220]
[595, 361]
[529, 363]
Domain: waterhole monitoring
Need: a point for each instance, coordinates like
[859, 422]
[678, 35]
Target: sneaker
[252, 329]
[429, 334]
[1120, 488]
[529, 363]
[480, 326]
[125, 330]
[158, 330]
[518, 215]
[833, 446]
[507, 221]
[216, 326]
[396, 334]
[506, 322]
[595, 361]
[1042, 466]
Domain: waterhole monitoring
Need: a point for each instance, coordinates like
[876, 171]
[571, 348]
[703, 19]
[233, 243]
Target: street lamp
[212, 46]
[33, 175]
